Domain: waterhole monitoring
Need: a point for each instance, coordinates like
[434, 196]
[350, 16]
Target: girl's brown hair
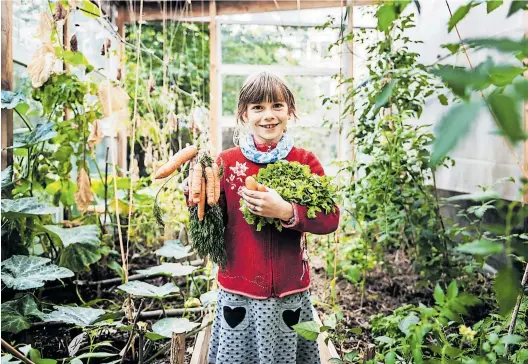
[264, 87]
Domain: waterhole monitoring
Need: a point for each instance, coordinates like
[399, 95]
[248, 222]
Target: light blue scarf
[281, 151]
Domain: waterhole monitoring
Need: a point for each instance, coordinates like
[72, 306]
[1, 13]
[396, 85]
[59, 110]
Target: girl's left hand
[267, 204]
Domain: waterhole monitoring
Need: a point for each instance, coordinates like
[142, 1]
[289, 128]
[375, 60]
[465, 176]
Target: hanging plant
[83, 196]
[41, 66]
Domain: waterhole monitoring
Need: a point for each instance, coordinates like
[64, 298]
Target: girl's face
[267, 120]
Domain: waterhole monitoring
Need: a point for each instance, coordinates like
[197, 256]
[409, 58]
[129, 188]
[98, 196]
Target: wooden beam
[525, 113]
[213, 80]
[122, 138]
[153, 11]
[7, 80]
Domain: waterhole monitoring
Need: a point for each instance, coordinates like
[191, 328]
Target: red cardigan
[266, 263]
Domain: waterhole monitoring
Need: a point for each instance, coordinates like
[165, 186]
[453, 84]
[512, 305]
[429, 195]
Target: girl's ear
[245, 116]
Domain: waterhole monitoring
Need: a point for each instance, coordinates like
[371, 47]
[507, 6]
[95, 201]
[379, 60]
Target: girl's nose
[268, 114]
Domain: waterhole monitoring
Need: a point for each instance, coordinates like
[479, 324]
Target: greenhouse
[255, 182]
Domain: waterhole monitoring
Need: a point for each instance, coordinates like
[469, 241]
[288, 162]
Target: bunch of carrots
[204, 177]
[206, 226]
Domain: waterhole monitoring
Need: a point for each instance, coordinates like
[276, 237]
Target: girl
[264, 288]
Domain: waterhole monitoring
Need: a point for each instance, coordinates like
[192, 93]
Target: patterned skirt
[253, 331]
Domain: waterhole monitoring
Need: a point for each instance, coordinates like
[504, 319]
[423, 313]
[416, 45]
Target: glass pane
[278, 45]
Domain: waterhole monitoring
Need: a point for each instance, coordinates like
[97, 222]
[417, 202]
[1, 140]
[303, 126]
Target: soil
[384, 292]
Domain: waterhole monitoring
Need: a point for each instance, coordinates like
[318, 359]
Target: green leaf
[493, 4]
[453, 126]
[386, 15]
[458, 15]
[452, 290]
[78, 257]
[25, 207]
[95, 355]
[521, 88]
[443, 100]
[7, 176]
[25, 272]
[390, 357]
[517, 5]
[208, 298]
[75, 58]
[336, 361]
[143, 289]
[153, 336]
[308, 330]
[409, 321]
[351, 355]
[169, 269]
[40, 133]
[175, 249]
[506, 112]
[11, 100]
[511, 339]
[16, 313]
[507, 288]
[481, 247]
[9, 359]
[86, 234]
[506, 45]
[385, 340]
[504, 75]
[439, 295]
[482, 196]
[383, 97]
[79, 316]
[90, 9]
[35, 357]
[167, 326]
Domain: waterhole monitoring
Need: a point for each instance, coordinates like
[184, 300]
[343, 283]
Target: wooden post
[122, 139]
[213, 80]
[7, 80]
[177, 351]
[525, 113]
[350, 74]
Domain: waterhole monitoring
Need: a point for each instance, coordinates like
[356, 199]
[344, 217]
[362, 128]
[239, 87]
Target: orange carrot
[216, 174]
[197, 176]
[176, 161]
[209, 186]
[201, 203]
[189, 187]
[251, 183]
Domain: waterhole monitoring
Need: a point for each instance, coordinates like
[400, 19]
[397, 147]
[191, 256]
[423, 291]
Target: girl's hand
[267, 204]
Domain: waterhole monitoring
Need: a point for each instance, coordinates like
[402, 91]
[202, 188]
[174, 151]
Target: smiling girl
[264, 288]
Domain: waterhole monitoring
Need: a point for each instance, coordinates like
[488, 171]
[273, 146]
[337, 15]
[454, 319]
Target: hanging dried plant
[73, 43]
[134, 170]
[72, 4]
[60, 12]
[172, 121]
[41, 66]
[149, 158]
[96, 134]
[83, 196]
[151, 84]
[112, 98]
[106, 46]
[45, 27]
[119, 74]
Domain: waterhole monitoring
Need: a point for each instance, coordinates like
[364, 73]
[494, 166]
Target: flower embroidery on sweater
[237, 172]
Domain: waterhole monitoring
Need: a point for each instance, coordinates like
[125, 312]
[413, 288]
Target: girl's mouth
[269, 126]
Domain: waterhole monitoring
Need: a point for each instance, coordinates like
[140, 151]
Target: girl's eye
[257, 107]
[277, 105]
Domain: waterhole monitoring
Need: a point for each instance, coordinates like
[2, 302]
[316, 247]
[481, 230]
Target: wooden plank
[201, 345]
[214, 95]
[152, 11]
[7, 80]
[329, 351]
[177, 351]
